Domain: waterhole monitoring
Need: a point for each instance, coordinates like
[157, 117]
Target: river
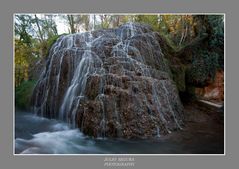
[38, 135]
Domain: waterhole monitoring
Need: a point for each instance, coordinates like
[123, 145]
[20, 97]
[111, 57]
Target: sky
[61, 25]
[63, 28]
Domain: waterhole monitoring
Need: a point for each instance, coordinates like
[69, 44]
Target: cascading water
[110, 83]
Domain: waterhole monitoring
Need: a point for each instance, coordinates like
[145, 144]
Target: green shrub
[203, 68]
[23, 94]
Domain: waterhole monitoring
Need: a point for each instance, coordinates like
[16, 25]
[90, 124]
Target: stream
[38, 135]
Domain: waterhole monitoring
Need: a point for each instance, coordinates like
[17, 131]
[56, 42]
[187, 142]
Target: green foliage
[22, 28]
[169, 42]
[206, 56]
[33, 36]
[217, 24]
[203, 68]
[50, 42]
[151, 20]
[23, 94]
[216, 41]
[22, 59]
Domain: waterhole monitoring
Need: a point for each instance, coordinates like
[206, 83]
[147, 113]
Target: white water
[158, 132]
[46, 136]
[38, 135]
[169, 105]
[76, 89]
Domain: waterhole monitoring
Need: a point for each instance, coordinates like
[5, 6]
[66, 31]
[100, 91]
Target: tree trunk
[71, 23]
[39, 28]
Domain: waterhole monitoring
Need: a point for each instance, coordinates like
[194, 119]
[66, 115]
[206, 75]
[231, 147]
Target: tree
[45, 29]
[85, 19]
[22, 58]
[75, 22]
[116, 20]
[72, 23]
[49, 26]
[41, 38]
[105, 21]
[32, 35]
[22, 28]
[152, 20]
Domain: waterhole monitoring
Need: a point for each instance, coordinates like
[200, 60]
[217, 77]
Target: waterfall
[169, 105]
[78, 83]
[158, 131]
[75, 91]
[118, 74]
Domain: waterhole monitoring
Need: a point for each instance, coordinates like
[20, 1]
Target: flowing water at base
[37, 135]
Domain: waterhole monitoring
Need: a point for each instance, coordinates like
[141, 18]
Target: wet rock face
[110, 83]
